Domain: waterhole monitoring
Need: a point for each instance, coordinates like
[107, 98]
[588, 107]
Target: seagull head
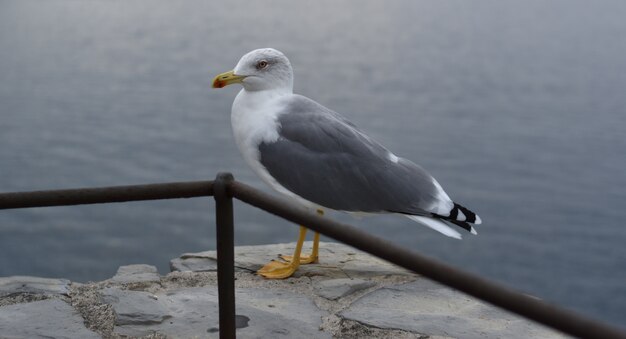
[259, 70]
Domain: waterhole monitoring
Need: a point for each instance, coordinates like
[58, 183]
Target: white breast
[254, 120]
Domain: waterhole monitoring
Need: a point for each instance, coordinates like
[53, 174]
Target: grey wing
[325, 159]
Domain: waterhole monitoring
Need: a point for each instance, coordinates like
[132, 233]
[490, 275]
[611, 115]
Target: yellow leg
[314, 256]
[280, 270]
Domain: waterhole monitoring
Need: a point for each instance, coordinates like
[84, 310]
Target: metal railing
[224, 188]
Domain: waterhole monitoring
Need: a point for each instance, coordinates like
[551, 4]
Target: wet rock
[51, 318]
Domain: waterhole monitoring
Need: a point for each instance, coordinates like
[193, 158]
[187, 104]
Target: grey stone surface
[349, 294]
[262, 313]
[428, 308]
[334, 289]
[25, 284]
[136, 274]
[190, 263]
[135, 307]
[336, 260]
[51, 318]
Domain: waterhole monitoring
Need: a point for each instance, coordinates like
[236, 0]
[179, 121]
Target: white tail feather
[437, 225]
[478, 220]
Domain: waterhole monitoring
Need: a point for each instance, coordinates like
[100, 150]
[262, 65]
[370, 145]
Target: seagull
[319, 159]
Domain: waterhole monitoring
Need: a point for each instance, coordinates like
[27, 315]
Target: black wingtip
[470, 216]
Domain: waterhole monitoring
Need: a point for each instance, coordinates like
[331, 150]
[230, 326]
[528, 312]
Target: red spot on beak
[218, 84]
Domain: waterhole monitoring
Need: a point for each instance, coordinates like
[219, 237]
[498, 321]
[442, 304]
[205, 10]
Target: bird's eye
[261, 64]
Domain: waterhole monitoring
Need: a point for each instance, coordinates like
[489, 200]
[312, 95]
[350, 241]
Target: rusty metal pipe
[225, 254]
[100, 195]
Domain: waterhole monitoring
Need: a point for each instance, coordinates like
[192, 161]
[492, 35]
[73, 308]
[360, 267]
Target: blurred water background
[518, 108]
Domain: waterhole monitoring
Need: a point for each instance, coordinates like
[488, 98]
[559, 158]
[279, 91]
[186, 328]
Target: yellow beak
[227, 78]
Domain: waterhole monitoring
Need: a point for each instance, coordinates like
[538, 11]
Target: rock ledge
[348, 295]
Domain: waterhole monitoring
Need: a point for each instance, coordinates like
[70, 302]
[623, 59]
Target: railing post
[225, 254]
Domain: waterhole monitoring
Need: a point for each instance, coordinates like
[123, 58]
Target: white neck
[254, 118]
[279, 85]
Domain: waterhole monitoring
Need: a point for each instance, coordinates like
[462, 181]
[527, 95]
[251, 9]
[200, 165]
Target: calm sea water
[517, 108]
